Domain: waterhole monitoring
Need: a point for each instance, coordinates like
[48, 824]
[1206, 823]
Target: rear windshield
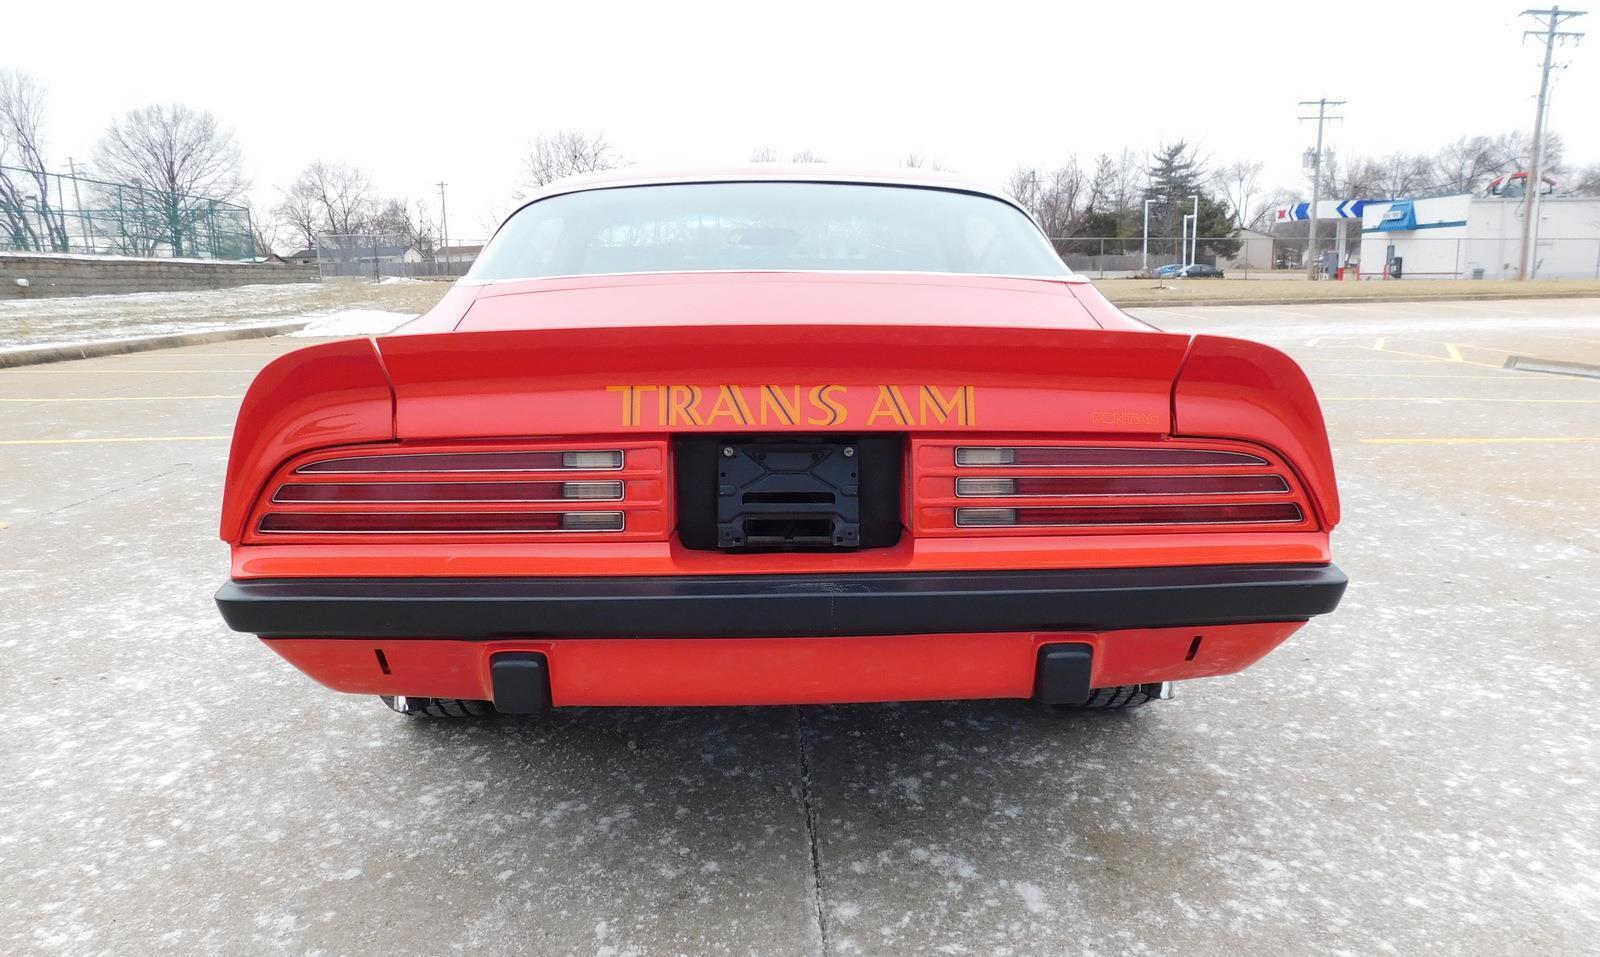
[764, 226]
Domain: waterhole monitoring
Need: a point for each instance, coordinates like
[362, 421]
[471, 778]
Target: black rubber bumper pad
[761, 606]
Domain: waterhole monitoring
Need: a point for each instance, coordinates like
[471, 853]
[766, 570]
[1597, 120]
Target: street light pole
[1190, 223]
[1145, 254]
[1194, 234]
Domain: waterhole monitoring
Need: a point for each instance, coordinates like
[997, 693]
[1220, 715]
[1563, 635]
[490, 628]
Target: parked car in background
[1199, 271]
[1169, 271]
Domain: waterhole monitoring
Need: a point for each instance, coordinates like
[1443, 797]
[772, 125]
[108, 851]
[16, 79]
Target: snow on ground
[72, 319]
[354, 322]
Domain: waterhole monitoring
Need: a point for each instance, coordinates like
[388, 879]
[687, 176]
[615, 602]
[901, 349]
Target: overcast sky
[455, 91]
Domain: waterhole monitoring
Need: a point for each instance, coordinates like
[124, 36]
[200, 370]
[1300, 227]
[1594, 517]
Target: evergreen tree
[1176, 173]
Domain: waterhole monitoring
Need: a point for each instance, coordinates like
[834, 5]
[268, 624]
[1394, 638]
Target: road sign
[1327, 209]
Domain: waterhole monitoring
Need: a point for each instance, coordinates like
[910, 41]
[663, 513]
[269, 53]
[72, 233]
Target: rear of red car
[770, 486]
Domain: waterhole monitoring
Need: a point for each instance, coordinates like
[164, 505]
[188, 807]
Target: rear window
[767, 226]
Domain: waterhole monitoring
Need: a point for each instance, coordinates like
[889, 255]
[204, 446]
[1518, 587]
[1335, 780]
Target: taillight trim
[393, 463]
[965, 517]
[414, 476]
[615, 493]
[562, 518]
[970, 482]
[1180, 457]
[1172, 471]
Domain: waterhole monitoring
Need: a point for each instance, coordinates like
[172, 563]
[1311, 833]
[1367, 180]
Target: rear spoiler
[1238, 389]
[938, 378]
[335, 393]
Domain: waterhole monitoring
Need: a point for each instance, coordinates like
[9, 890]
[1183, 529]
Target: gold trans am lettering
[795, 406]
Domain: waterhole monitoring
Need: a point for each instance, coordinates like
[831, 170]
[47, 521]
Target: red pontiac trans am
[775, 437]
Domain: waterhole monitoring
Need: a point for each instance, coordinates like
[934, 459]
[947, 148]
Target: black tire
[439, 707]
[1118, 698]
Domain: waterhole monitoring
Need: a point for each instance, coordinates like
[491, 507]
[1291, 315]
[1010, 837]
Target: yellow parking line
[1424, 355]
[1486, 440]
[127, 398]
[1454, 350]
[142, 438]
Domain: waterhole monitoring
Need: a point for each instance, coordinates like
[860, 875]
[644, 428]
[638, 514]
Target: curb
[1341, 300]
[64, 352]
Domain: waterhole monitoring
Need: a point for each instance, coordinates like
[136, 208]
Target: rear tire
[438, 707]
[1117, 698]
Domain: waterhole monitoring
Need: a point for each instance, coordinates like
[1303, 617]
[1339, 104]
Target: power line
[1314, 268]
[1550, 20]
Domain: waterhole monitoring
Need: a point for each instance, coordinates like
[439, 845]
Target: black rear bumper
[761, 606]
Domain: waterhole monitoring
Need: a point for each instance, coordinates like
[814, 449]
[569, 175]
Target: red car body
[509, 499]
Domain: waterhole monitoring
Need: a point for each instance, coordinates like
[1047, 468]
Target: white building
[1479, 237]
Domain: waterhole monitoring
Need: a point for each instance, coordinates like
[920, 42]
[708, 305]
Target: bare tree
[914, 160]
[1239, 184]
[1586, 182]
[22, 144]
[567, 153]
[184, 157]
[1055, 198]
[329, 199]
[410, 225]
[267, 231]
[766, 154]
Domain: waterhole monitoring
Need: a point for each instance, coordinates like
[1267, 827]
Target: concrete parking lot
[1416, 773]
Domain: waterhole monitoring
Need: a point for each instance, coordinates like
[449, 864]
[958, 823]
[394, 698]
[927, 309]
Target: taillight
[596, 491]
[1060, 487]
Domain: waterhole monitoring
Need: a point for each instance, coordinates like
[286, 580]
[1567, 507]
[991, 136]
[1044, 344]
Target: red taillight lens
[450, 492]
[474, 492]
[1092, 457]
[545, 460]
[335, 523]
[1119, 485]
[1109, 515]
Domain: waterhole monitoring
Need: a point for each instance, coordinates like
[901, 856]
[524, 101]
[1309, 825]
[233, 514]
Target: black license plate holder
[788, 494]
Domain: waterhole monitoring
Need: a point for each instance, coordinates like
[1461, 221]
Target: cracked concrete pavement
[1415, 773]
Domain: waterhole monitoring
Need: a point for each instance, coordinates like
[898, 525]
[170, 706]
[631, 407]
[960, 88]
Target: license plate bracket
[781, 494]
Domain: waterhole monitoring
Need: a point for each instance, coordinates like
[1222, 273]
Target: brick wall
[73, 276]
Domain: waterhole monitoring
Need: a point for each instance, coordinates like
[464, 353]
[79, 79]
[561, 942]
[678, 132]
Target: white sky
[456, 90]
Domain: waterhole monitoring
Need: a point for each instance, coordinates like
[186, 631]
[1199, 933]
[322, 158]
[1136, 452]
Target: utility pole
[1313, 265]
[77, 200]
[1550, 19]
[444, 227]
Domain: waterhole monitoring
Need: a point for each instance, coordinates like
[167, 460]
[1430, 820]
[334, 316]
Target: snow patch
[353, 322]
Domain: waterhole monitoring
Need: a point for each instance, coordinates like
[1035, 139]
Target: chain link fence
[1365, 256]
[379, 256]
[44, 212]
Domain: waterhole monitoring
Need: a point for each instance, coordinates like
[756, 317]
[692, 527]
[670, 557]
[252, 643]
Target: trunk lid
[780, 353]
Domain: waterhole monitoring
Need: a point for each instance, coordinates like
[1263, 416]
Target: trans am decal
[796, 406]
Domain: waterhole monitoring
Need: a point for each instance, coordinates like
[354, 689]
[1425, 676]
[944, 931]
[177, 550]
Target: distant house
[464, 254]
[355, 259]
[1254, 252]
